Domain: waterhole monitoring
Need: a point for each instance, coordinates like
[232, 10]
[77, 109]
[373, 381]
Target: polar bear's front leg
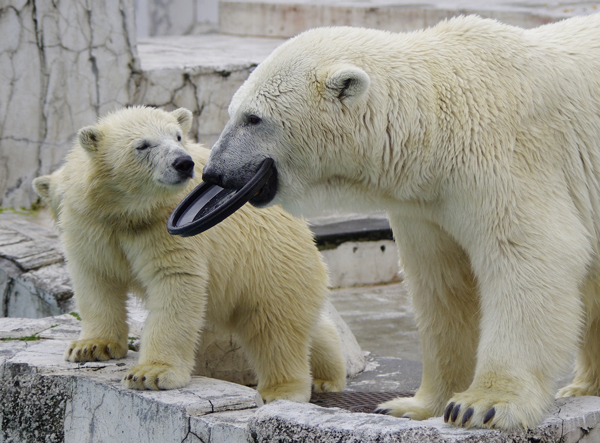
[176, 305]
[446, 305]
[101, 303]
[529, 274]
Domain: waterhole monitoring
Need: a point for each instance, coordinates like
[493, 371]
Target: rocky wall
[62, 64]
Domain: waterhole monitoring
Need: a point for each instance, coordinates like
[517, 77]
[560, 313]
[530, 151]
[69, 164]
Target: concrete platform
[44, 398]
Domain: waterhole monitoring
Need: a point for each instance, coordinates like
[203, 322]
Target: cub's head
[138, 152]
[303, 107]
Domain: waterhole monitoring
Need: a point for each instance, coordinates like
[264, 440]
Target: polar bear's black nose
[184, 165]
[211, 176]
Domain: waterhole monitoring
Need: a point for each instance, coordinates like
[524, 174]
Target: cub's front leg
[176, 304]
[102, 305]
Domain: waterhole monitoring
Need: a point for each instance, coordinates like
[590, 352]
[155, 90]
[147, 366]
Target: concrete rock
[570, 420]
[62, 65]
[44, 398]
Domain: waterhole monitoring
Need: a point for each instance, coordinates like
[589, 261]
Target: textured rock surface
[175, 17]
[570, 421]
[43, 398]
[61, 65]
[33, 277]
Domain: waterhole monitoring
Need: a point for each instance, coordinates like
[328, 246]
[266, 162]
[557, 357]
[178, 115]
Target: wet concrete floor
[381, 318]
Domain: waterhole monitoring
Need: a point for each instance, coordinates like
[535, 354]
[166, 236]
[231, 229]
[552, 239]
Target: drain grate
[355, 401]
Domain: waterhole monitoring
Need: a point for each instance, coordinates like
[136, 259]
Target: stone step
[45, 398]
[280, 18]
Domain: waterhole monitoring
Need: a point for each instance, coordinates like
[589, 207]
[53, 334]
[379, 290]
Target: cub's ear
[41, 186]
[346, 83]
[89, 138]
[184, 118]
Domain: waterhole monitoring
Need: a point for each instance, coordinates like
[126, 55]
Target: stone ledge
[44, 398]
[47, 399]
[569, 421]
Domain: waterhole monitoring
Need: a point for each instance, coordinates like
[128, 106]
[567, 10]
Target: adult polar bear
[482, 142]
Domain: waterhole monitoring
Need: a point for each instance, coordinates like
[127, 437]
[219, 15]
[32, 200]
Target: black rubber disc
[209, 204]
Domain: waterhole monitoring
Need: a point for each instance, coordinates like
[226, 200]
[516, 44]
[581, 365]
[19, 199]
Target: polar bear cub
[257, 274]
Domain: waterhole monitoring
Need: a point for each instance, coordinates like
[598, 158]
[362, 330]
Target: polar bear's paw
[579, 388]
[320, 386]
[156, 376]
[94, 350]
[409, 407]
[485, 408]
[294, 391]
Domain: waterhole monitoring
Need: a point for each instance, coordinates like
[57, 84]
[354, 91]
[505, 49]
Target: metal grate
[355, 401]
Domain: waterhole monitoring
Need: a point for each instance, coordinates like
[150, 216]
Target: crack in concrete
[92, 426]
[189, 432]
[6, 295]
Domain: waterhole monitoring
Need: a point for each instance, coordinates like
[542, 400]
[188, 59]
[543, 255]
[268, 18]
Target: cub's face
[140, 150]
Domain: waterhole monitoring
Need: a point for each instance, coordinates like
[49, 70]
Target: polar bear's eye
[253, 119]
[143, 146]
[178, 137]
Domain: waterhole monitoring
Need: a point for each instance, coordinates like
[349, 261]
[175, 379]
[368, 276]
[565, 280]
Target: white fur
[257, 274]
[482, 141]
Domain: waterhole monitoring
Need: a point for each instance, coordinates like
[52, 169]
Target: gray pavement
[381, 318]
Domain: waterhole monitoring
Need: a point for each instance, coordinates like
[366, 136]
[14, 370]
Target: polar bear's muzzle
[213, 175]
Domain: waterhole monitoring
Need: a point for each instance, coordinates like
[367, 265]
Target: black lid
[209, 204]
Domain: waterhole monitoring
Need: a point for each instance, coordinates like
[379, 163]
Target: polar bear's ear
[346, 83]
[41, 185]
[184, 118]
[89, 138]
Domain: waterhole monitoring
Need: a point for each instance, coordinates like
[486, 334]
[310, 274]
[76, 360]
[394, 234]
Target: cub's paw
[486, 408]
[156, 376]
[328, 385]
[94, 350]
[298, 391]
[409, 407]
[579, 389]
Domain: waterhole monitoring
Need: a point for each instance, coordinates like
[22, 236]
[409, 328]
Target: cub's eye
[143, 146]
[253, 119]
[178, 137]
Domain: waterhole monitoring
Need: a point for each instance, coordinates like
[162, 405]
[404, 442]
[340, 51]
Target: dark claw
[455, 412]
[70, 351]
[468, 415]
[130, 376]
[489, 415]
[143, 379]
[94, 348]
[382, 411]
[448, 411]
